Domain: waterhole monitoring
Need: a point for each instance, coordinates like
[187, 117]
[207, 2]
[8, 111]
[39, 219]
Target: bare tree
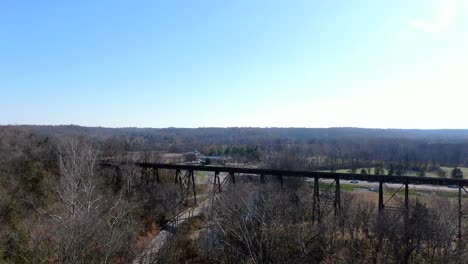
[89, 224]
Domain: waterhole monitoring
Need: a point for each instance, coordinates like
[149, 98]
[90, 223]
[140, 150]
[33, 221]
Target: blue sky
[386, 64]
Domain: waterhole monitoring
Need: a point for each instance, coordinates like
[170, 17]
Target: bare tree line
[255, 223]
[58, 206]
[261, 224]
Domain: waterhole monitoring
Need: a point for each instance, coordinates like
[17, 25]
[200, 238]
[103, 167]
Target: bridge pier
[156, 173]
[381, 204]
[462, 215]
[401, 207]
[233, 178]
[177, 177]
[192, 179]
[326, 198]
[337, 203]
[150, 175]
[217, 182]
[316, 200]
[186, 182]
[406, 203]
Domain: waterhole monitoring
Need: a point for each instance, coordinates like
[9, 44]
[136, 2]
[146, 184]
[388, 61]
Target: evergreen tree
[457, 173]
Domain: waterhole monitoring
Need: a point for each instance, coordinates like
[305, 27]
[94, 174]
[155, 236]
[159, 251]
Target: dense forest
[59, 206]
[314, 147]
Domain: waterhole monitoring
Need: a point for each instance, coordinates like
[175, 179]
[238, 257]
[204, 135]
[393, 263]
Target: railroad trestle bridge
[326, 188]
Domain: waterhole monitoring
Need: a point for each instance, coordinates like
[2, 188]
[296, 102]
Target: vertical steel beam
[460, 213]
[217, 182]
[151, 174]
[177, 176]
[337, 203]
[381, 205]
[193, 186]
[406, 202]
[214, 180]
[232, 177]
[316, 200]
[156, 171]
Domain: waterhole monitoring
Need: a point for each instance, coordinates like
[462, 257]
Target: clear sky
[174, 63]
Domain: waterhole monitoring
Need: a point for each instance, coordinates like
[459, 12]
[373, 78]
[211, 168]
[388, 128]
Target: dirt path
[150, 254]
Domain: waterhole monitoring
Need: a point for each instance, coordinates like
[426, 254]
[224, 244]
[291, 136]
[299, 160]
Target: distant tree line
[337, 147]
[251, 153]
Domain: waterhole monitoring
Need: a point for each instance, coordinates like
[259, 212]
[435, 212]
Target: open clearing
[448, 171]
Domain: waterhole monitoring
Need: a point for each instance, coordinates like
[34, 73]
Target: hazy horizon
[378, 64]
[226, 127]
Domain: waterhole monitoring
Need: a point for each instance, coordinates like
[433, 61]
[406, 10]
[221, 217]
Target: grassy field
[448, 171]
[201, 175]
[373, 195]
[347, 187]
[358, 171]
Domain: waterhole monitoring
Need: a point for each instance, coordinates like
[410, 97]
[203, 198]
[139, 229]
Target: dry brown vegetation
[58, 206]
[261, 224]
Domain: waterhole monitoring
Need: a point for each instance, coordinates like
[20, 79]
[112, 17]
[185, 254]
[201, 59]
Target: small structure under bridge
[326, 192]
